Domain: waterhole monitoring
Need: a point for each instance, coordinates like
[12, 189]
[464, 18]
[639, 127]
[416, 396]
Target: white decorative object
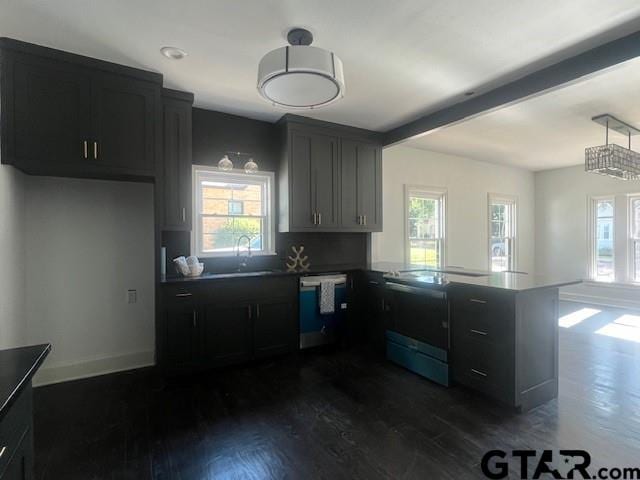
[301, 76]
[189, 267]
[297, 262]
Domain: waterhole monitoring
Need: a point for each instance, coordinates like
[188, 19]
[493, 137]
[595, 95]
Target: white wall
[88, 242]
[468, 183]
[12, 245]
[561, 230]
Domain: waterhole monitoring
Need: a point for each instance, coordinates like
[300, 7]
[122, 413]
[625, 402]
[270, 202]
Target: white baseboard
[93, 367]
[600, 300]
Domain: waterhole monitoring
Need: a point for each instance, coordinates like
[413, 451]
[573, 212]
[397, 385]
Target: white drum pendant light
[300, 76]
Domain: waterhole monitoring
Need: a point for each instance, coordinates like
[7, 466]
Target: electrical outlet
[132, 296]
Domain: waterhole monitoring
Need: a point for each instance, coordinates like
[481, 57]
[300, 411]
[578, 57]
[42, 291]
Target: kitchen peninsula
[495, 332]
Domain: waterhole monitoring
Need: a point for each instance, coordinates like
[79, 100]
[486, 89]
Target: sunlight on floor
[574, 318]
[625, 327]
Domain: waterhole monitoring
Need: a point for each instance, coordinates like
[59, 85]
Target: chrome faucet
[243, 263]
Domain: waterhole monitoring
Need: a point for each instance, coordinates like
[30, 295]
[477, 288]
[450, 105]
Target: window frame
[592, 231]
[632, 276]
[265, 179]
[435, 193]
[512, 200]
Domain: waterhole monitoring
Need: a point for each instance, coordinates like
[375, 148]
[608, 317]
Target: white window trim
[242, 177]
[631, 240]
[592, 213]
[513, 200]
[438, 193]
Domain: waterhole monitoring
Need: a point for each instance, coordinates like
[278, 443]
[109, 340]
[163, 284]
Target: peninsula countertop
[419, 275]
[17, 367]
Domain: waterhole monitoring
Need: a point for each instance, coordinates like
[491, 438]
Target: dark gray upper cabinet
[72, 116]
[176, 160]
[313, 200]
[361, 185]
[329, 177]
[124, 118]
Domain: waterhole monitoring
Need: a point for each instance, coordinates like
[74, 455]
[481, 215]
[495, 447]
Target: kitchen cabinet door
[124, 113]
[181, 333]
[227, 333]
[313, 182]
[301, 204]
[361, 186]
[324, 164]
[176, 161]
[48, 120]
[275, 330]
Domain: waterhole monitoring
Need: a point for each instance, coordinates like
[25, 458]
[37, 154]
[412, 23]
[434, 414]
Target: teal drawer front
[413, 359]
[421, 347]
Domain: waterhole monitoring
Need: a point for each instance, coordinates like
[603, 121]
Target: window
[634, 238]
[603, 238]
[228, 205]
[502, 233]
[425, 226]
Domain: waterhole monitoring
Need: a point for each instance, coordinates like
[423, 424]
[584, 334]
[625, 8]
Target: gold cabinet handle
[95, 150]
[364, 219]
[85, 145]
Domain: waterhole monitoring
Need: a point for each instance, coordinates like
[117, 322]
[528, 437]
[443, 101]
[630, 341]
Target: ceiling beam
[544, 80]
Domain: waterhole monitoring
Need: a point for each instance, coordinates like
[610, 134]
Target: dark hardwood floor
[335, 415]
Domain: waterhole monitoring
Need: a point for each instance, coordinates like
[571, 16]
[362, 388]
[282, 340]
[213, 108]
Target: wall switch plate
[132, 296]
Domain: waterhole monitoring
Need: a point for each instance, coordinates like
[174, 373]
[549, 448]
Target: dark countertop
[447, 276]
[262, 273]
[17, 367]
[453, 276]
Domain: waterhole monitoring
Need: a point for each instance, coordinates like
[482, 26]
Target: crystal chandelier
[610, 159]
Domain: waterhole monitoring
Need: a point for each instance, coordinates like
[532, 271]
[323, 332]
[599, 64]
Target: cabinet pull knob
[477, 300]
[478, 372]
[195, 318]
[85, 145]
[184, 214]
[479, 332]
[95, 150]
[184, 294]
[249, 311]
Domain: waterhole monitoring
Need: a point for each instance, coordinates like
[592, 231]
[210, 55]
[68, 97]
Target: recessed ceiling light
[174, 53]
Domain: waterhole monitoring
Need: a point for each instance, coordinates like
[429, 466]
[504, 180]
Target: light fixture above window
[226, 164]
[300, 76]
[610, 159]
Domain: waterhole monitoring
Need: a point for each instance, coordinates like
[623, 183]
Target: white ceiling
[550, 130]
[402, 59]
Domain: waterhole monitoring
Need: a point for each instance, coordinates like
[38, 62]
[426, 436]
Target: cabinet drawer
[484, 366]
[13, 428]
[484, 314]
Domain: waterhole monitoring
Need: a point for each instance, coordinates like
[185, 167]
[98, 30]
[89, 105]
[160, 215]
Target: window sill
[243, 254]
[616, 285]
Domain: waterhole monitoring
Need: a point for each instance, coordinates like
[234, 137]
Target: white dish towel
[327, 296]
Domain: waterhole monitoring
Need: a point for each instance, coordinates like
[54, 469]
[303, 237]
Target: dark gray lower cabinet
[219, 323]
[274, 328]
[16, 439]
[505, 344]
[226, 333]
[181, 324]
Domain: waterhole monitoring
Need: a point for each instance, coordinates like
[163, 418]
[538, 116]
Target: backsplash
[323, 249]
